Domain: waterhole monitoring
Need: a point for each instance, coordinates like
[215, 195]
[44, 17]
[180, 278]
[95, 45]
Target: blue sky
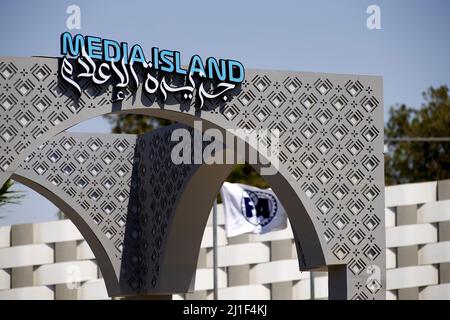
[411, 51]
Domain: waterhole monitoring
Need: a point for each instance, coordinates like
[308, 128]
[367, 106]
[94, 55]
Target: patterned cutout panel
[124, 187]
[156, 186]
[92, 174]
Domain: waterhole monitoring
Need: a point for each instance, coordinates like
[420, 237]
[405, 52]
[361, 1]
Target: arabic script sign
[104, 60]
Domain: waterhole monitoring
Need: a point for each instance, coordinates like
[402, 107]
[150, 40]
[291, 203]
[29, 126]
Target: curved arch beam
[162, 237]
[191, 214]
[89, 177]
[89, 234]
[186, 230]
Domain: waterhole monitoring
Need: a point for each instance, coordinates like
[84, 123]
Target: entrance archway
[331, 146]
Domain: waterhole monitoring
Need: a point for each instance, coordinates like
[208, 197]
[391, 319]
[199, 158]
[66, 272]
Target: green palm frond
[9, 196]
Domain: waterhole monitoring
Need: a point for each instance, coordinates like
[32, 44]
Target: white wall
[250, 266]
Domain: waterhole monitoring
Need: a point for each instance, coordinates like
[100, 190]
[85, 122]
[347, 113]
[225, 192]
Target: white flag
[250, 209]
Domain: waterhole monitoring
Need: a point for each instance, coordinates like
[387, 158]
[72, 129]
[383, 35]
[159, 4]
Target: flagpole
[215, 249]
[311, 283]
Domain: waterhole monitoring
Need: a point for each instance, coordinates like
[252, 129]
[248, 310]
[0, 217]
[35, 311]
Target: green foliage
[416, 161]
[244, 173]
[60, 215]
[135, 124]
[7, 195]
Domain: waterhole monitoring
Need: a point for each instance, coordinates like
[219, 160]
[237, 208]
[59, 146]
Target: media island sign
[104, 59]
[144, 215]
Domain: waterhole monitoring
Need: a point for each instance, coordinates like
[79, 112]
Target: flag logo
[258, 207]
[250, 209]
